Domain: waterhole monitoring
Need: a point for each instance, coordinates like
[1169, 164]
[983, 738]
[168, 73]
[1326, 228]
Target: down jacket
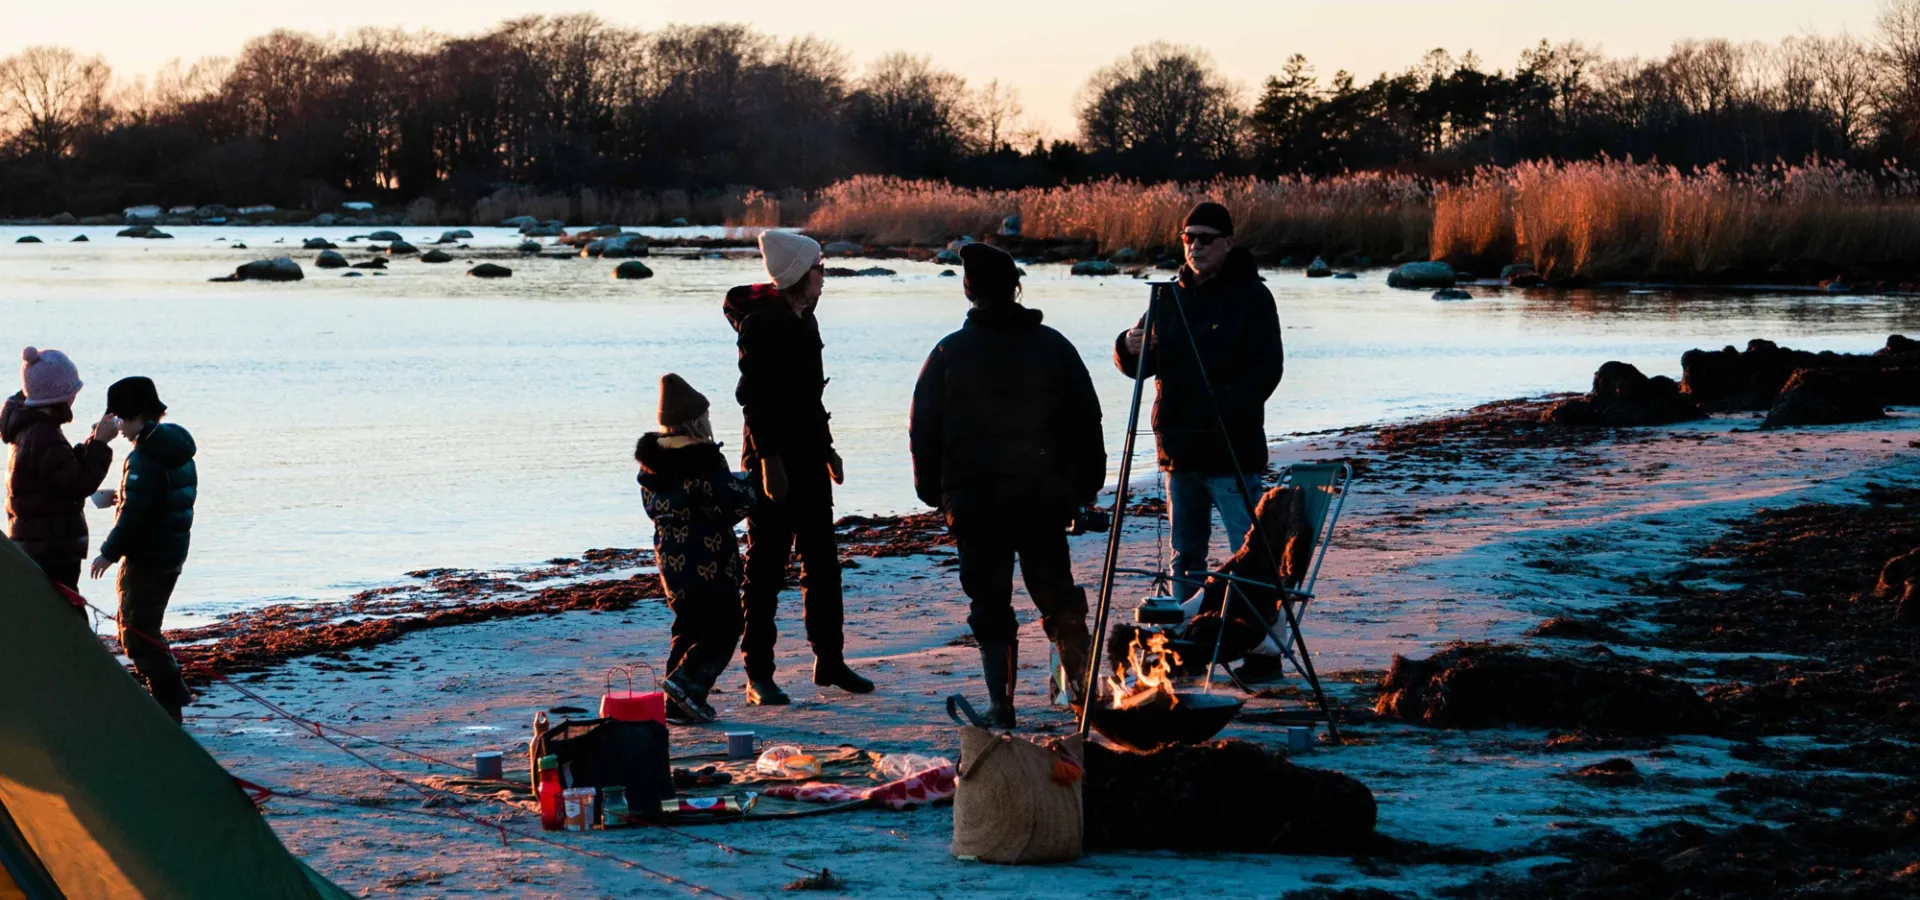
[1005, 421]
[1237, 330]
[782, 378]
[694, 501]
[158, 484]
[48, 480]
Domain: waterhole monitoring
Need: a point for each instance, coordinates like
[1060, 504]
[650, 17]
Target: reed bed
[1381, 215]
[1619, 219]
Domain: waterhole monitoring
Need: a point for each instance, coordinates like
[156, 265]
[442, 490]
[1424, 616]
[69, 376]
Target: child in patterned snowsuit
[695, 500]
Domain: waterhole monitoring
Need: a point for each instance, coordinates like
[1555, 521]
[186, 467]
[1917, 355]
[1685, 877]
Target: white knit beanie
[788, 256]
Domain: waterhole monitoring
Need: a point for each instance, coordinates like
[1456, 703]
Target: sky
[1043, 50]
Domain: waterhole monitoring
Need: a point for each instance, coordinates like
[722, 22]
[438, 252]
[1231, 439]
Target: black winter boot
[999, 662]
[764, 692]
[830, 670]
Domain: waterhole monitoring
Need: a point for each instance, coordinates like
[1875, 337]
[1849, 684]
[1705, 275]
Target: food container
[578, 805]
[701, 806]
[613, 806]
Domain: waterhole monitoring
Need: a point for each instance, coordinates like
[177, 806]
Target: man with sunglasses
[789, 454]
[1235, 330]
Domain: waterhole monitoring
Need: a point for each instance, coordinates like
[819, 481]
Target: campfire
[1145, 677]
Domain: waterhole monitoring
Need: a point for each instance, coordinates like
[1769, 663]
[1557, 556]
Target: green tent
[102, 796]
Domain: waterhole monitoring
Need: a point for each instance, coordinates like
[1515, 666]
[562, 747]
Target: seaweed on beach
[1485, 685]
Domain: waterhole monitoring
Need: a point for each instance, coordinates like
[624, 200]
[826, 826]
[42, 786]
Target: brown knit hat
[679, 402]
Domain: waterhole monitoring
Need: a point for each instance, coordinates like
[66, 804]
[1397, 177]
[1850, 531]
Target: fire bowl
[1195, 718]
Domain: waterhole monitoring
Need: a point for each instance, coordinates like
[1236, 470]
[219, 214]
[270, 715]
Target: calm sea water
[352, 429]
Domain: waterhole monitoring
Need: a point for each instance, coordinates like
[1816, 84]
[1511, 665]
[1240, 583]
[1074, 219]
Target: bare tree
[997, 107]
[49, 96]
[1899, 47]
[1164, 104]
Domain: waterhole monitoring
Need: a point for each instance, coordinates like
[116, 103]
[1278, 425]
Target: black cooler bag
[596, 753]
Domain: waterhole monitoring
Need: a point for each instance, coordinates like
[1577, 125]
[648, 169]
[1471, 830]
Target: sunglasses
[1201, 240]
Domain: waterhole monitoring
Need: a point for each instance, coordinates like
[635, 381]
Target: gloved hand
[773, 478]
[836, 468]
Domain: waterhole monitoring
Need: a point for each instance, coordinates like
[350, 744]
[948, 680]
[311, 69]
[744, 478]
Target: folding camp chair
[1325, 487]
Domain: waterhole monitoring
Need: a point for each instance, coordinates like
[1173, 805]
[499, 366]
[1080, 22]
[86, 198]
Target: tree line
[570, 101]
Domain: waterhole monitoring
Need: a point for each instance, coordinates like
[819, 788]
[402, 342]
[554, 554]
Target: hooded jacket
[1237, 330]
[158, 484]
[782, 378]
[1005, 421]
[694, 501]
[48, 480]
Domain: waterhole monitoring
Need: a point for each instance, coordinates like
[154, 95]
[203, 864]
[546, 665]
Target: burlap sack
[1012, 805]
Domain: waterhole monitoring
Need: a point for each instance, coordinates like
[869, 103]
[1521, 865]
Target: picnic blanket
[918, 789]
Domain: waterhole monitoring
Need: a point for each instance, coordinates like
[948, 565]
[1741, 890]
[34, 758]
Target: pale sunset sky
[1046, 50]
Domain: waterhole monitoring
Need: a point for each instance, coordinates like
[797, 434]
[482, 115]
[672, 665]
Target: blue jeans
[1191, 499]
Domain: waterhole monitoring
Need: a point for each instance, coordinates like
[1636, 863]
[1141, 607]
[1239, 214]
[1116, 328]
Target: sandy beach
[1460, 529]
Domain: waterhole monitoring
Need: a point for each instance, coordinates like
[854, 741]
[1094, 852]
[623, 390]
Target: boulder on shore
[632, 269]
[134, 231]
[620, 246]
[378, 262]
[27, 239]
[843, 248]
[1319, 268]
[79, 239]
[529, 247]
[490, 270]
[324, 220]
[455, 236]
[1451, 294]
[1487, 685]
[1752, 379]
[947, 257]
[1010, 226]
[1624, 397]
[329, 259]
[318, 244]
[544, 229]
[1827, 397]
[1124, 256]
[677, 222]
[1094, 267]
[435, 256]
[1418, 275]
[401, 248]
[384, 236]
[519, 222]
[1226, 796]
[277, 269]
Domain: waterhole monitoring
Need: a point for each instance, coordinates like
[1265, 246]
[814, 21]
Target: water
[353, 429]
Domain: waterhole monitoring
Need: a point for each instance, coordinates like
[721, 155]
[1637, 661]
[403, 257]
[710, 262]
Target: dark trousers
[987, 550]
[705, 630]
[61, 569]
[802, 524]
[145, 589]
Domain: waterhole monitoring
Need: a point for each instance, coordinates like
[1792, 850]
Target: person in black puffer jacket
[789, 451]
[1236, 329]
[694, 501]
[152, 530]
[48, 479]
[1005, 431]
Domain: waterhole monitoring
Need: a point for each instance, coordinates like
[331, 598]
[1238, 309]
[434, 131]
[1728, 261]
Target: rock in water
[1224, 796]
[80, 239]
[617, 247]
[843, 248]
[1010, 226]
[448, 237]
[28, 239]
[490, 270]
[277, 269]
[1452, 294]
[677, 223]
[1827, 397]
[318, 244]
[632, 269]
[529, 247]
[947, 257]
[1623, 397]
[1094, 267]
[435, 256]
[1486, 685]
[329, 259]
[384, 236]
[378, 262]
[134, 231]
[1123, 256]
[545, 229]
[1344, 276]
[1319, 269]
[519, 222]
[401, 248]
[1417, 275]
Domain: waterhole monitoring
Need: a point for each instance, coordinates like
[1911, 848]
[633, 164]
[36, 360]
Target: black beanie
[135, 398]
[1210, 215]
[991, 274]
[679, 402]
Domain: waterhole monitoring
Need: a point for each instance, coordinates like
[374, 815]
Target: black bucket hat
[135, 397]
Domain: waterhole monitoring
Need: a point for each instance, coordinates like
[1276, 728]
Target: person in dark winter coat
[1006, 439]
[48, 479]
[789, 451]
[1235, 328]
[152, 531]
[694, 501]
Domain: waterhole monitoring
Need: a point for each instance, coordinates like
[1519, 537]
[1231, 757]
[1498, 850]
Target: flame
[1146, 675]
